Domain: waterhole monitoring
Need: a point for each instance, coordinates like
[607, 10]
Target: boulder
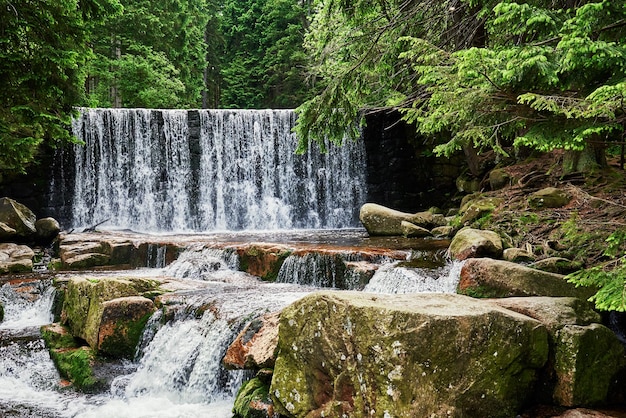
[485, 277]
[380, 220]
[517, 255]
[47, 229]
[15, 258]
[404, 355]
[443, 231]
[121, 324]
[6, 232]
[18, 217]
[469, 243]
[498, 179]
[261, 260]
[89, 316]
[586, 359]
[410, 230]
[584, 356]
[255, 346]
[478, 208]
[550, 197]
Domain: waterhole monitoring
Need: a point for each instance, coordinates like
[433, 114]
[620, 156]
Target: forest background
[472, 76]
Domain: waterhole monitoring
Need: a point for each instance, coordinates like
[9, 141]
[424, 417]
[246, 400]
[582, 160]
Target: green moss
[125, 337]
[58, 337]
[252, 390]
[272, 275]
[481, 292]
[76, 365]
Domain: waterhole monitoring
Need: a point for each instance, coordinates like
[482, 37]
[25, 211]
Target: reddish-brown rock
[255, 346]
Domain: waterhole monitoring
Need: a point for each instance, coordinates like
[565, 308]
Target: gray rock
[410, 230]
[17, 216]
[517, 255]
[380, 221]
[469, 243]
[47, 229]
[557, 265]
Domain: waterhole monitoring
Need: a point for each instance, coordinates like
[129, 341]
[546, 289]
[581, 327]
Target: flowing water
[205, 170]
[172, 171]
[177, 372]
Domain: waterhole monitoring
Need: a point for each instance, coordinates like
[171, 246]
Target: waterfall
[207, 170]
[394, 278]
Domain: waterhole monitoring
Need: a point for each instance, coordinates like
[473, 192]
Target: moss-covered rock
[253, 400]
[485, 277]
[557, 265]
[410, 230]
[550, 197]
[586, 359]
[478, 208]
[73, 361]
[18, 217]
[470, 242]
[88, 314]
[405, 356]
[121, 324]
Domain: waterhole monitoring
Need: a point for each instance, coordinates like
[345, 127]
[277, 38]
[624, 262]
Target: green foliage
[151, 55]
[483, 74]
[262, 59]
[42, 56]
[610, 278]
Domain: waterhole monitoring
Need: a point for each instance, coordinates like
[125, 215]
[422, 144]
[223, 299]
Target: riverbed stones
[485, 277]
[15, 258]
[18, 217]
[382, 221]
[470, 243]
[404, 355]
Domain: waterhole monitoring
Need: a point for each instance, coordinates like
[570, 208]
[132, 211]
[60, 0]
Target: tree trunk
[591, 158]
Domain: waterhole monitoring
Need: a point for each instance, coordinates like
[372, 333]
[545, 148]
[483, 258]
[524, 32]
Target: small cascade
[313, 269]
[334, 270]
[202, 263]
[156, 256]
[179, 373]
[27, 304]
[206, 170]
[398, 278]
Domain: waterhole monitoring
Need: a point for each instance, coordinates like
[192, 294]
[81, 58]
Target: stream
[177, 371]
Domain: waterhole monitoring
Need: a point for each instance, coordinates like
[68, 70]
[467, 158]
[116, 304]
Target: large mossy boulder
[108, 313]
[18, 217]
[382, 221]
[470, 242]
[15, 258]
[438, 355]
[584, 355]
[488, 278]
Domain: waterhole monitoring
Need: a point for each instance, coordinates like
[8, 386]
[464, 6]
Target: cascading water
[202, 170]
